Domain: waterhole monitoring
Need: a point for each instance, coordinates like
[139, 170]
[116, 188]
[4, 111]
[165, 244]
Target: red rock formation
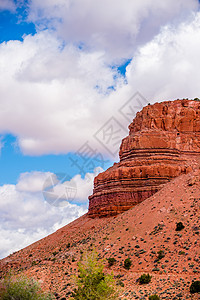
[163, 143]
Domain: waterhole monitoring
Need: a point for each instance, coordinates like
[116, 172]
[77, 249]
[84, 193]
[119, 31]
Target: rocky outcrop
[163, 143]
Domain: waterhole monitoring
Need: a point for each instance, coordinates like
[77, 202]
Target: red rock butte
[163, 143]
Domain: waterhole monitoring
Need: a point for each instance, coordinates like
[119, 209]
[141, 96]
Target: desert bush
[120, 283]
[179, 226]
[144, 278]
[127, 263]
[111, 261]
[161, 254]
[22, 288]
[154, 297]
[92, 283]
[195, 287]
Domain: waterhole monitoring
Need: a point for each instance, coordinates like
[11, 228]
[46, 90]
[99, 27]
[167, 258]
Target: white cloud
[116, 27]
[85, 185]
[168, 67]
[49, 96]
[7, 5]
[32, 182]
[26, 217]
[54, 96]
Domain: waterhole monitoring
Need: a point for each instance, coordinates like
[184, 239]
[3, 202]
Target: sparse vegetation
[154, 297]
[195, 287]
[92, 283]
[179, 226]
[120, 283]
[111, 261]
[161, 254]
[127, 263]
[144, 278]
[22, 288]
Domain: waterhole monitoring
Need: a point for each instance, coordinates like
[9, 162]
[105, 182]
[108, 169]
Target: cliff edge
[163, 143]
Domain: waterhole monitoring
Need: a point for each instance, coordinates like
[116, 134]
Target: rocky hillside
[147, 233]
[163, 143]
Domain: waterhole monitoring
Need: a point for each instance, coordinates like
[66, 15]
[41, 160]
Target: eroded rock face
[163, 143]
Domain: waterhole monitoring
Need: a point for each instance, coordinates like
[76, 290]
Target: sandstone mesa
[163, 143]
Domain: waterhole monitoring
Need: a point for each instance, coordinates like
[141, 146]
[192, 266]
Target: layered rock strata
[163, 143]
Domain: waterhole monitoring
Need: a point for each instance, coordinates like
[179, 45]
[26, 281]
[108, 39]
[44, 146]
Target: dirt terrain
[139, 233]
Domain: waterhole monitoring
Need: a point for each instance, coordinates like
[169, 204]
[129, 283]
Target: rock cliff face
[163, 143]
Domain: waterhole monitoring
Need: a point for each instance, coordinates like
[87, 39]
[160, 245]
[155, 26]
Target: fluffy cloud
[51, 96]
[55, 95]
[32, 182]
[168, 67]
[25, 216]
[116, 27]
[7, 5]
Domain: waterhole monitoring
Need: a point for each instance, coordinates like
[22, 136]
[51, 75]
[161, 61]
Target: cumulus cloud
[51, 97]
[116, 27]
[56, 95]
[168, 67]
[7, 5]
[26, 216]
[32, 182]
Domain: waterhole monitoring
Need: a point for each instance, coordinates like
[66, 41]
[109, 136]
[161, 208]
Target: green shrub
[92, 283]
[120, 283]
[161, 254]
[22, 288]
[195, 287]
[154, 297]
[111, 261]
[179, 226]
[144, 278]
[127, 263]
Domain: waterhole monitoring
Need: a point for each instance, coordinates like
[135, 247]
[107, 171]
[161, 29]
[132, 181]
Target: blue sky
[15, 26]
[13, 162]
[67, 68]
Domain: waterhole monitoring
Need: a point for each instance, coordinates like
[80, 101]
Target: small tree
[195, 287]
[22, 288]
[92, 283]
[161, 254]
[179, 226]
[127, 263]
[144, 278]
[111, 261]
